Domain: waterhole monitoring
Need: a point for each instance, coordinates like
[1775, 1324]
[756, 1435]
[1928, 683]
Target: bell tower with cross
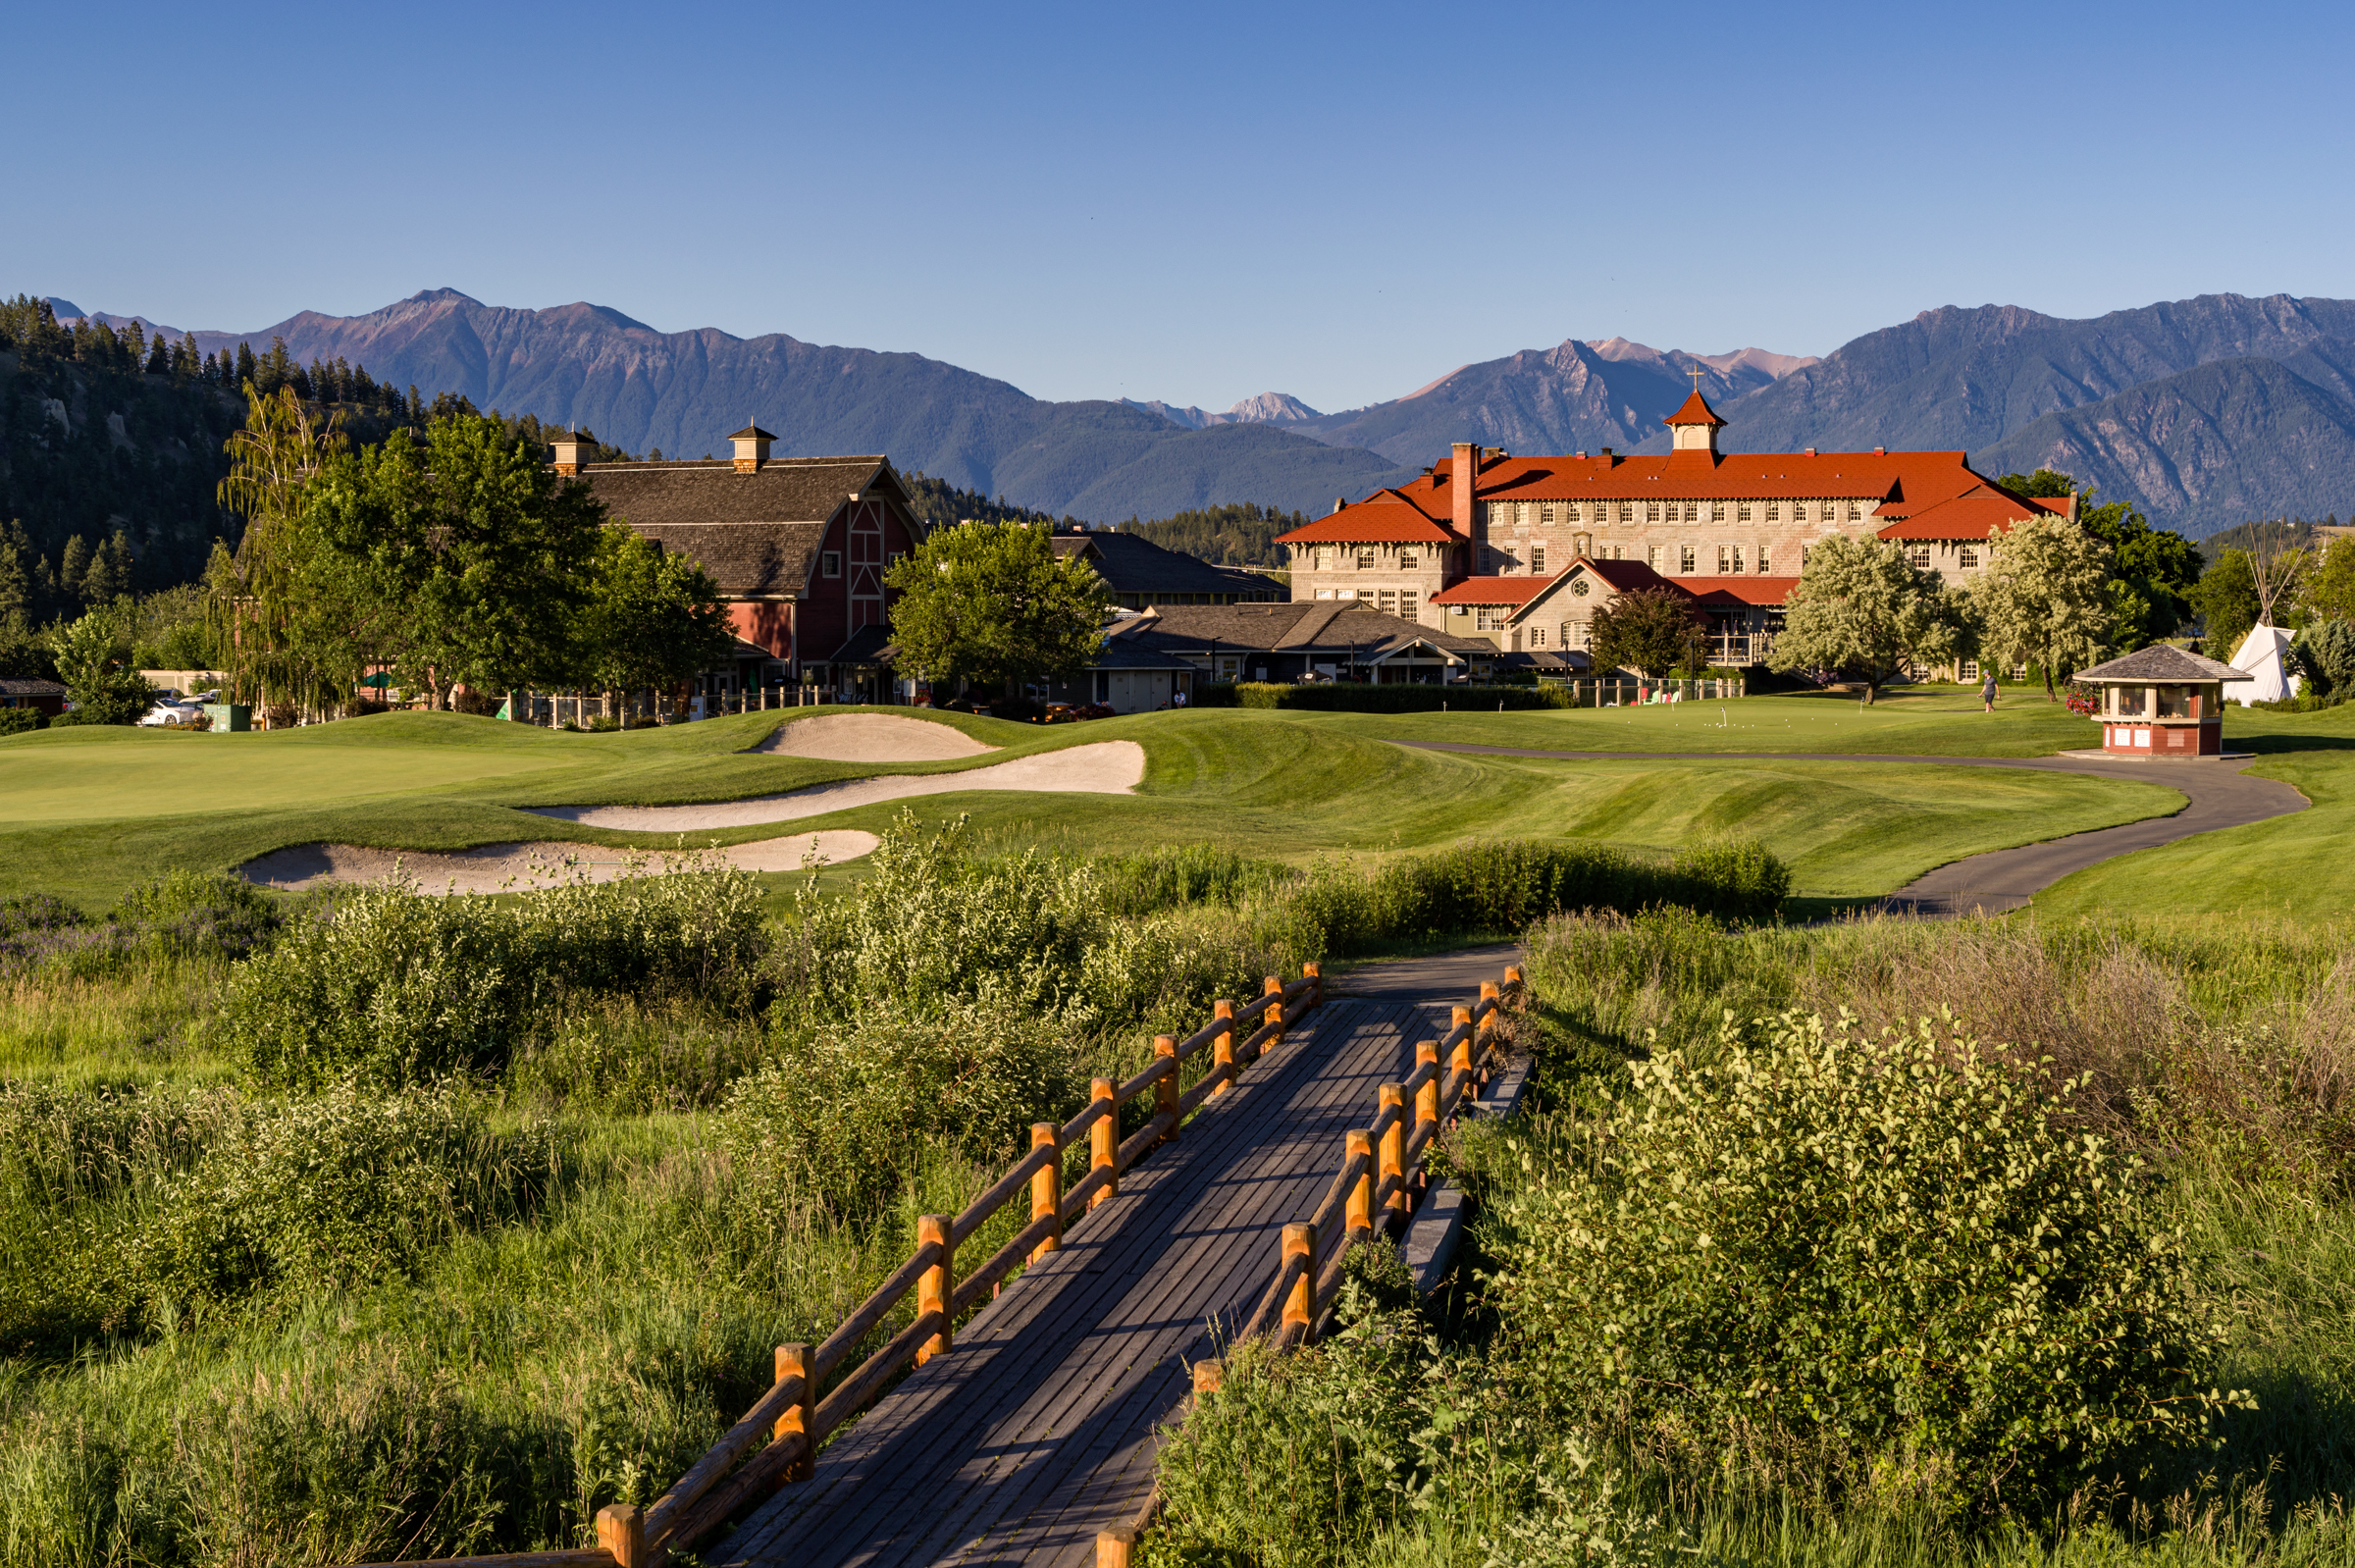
[1692, 428]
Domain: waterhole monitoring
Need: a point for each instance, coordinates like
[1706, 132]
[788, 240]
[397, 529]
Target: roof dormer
[752, 449]
[1694, 427]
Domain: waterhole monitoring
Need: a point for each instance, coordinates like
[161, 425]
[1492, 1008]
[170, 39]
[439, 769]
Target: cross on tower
[1695, 375]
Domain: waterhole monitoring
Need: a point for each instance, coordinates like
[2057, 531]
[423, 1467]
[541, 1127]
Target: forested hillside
[1225, 536]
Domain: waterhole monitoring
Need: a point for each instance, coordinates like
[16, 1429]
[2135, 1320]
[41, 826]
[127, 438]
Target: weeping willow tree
[269, 608]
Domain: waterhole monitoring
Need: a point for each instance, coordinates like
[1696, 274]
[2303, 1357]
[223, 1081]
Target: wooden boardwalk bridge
[1029, 1429]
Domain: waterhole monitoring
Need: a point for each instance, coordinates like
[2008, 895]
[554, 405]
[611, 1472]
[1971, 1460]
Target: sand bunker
[513, 868]
[872, 738]
[1107, 768]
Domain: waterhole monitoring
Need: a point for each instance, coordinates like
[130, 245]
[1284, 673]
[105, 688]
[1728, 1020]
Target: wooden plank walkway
[1036, 1431]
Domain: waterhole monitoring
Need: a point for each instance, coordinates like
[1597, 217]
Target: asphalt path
[2217, 794]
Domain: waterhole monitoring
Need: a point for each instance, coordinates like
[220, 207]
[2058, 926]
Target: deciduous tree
[2044, 599]
[1651, 630]
[651, 618]
[93, 661]
[1862, 607]
[993, 605]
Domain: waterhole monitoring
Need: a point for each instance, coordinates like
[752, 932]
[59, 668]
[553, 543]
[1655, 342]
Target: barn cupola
[1692, 428]
[574, 450]
[752, 449]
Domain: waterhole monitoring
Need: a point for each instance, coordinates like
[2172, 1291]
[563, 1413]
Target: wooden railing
[1372, 1193]
[778, 1438]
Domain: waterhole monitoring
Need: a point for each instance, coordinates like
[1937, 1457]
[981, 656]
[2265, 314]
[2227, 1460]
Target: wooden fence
[1371, 1194]
[778, 1438]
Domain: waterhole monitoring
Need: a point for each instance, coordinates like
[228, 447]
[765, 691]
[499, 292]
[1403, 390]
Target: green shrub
[1857, 1262]
[339, 1192]
[21, 722]
[850, 1110]
[1187, 874]
[1349, 697]
[407, 988]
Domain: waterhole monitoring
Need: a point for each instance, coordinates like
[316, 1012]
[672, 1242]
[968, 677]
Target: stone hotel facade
[1523, 551]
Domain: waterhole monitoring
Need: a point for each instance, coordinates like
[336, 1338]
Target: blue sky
[1189, 202]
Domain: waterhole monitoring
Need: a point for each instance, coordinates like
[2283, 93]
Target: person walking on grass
[1987, 691]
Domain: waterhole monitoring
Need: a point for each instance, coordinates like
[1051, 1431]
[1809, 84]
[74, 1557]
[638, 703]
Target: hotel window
[1365, 560]
[1741, 514]
[1651, 512]
[1387, 601]
[1655, 557]
[831, 562]
[1764, 563]
[1803, 557]
[1772, 511]
[1618, 553]
[1408, 560]
[1725, 560]
[1971, 555]
[1320, 559]
[1692, 513]
[1537, 637]
[1686, 558]
[1406, 602]
[1853, 511]
[1545, 513]
[1922, 557]
[1488, 618]
[1537, 557]
[1521, 511]
[1971, 669]
[1737, 560]
[1574, 634]
[1717, 512]
[1627, 511]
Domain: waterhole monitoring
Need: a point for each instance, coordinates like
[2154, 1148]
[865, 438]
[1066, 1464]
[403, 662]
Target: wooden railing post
[1361, 1192]
[621, 1531]
[1460, 1058]
[1315, 972]
[1164, 1088]
[1046, 1187]
[1115, 1547]
[1512, 977]
[1427, 1098]
[933, 1286]
[1208, 1374]
[1104, 1141]
[1273, 986]
[1488, 1024]
[795, 1361]
[1222, 1048]
[1300, 1304]
[1393, 1097]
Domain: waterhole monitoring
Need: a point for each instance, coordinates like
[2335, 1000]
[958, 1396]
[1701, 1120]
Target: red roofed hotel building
[1523, 549]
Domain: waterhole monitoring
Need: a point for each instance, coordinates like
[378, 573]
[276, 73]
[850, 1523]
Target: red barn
[796, 545]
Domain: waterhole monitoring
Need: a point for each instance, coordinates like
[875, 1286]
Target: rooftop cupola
[752, 449]
[574, 450]
[1694, 427]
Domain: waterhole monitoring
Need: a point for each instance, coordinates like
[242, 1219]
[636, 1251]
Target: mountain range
[2205, 412]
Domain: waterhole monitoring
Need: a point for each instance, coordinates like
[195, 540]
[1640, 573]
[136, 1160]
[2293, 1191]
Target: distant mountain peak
[434, 297]
[1267, 408]
[63, 308]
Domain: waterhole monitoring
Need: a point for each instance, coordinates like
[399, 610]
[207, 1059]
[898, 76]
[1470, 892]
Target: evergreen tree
[159, 356]
[73, 566]
[110, 571]
[246, 370]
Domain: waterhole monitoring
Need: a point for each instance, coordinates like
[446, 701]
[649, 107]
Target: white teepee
[2260, 655]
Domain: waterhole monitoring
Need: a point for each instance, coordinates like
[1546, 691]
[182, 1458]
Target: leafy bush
[338, 1191]
[847, 1111]
[1858, 1262]
[21, 722]
[1178, 874]
[407, 988]
[2325, 653]
[1350, 697]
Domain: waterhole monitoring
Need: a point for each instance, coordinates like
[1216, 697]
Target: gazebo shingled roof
[2162, 665]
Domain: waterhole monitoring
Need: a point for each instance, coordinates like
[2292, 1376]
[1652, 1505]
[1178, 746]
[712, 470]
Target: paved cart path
[2216, 793]
[1036, 1431]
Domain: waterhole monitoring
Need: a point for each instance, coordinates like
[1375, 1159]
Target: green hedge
[1347, 697]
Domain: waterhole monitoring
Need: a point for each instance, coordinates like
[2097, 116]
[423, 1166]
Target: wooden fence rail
[778, 1438]
[1372, 1193]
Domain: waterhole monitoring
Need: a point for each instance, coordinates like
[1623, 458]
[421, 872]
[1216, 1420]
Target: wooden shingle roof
[756, 533]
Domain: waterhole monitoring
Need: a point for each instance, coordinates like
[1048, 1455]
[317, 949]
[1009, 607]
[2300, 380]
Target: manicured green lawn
[109, 809]
[2295, 867]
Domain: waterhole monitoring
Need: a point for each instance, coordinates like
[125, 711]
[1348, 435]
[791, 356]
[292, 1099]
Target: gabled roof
[1725, 592]
[1980, 512]
[30, 688]
[1693, 411]
[1382, 518]
[1303, 625]
[1496, 589]
[752, 433]
[1132, 563]
[1623, 576]
[756, 533]
[2161, 663]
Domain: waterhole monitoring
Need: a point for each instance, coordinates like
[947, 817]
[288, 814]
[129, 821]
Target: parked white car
[172, 713]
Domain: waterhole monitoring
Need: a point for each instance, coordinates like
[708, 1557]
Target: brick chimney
[1339, 502]
[573, 448]
[1466, 475]
[752, 449]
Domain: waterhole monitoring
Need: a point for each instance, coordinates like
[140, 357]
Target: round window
[1577, 586]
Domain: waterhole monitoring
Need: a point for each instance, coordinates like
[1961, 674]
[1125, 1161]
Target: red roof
[1980, 513]
[1381, 519]
[1921, 479]
[1624, 576]
[1694, 410]
[1719, 592]
[1496, 589]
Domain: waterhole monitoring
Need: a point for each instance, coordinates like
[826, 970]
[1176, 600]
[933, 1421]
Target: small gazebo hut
[2162, 702]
